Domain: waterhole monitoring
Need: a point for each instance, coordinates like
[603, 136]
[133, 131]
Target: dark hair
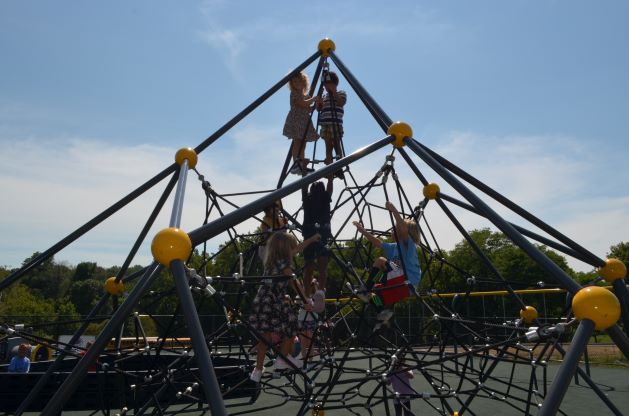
[331, 77]
[317, 189]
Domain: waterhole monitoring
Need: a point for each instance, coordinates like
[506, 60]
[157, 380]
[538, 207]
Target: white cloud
[51, 187]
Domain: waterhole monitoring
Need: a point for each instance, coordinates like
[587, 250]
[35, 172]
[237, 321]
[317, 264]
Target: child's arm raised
[301, 246]
[305, 102]
[372, 239]
[401, 228]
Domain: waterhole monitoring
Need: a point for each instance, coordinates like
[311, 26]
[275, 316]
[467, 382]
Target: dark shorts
[318, 249]
[315, 250]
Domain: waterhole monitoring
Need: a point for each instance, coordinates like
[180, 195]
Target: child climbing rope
[272, 309]
[317, 219]
[401, 258]
[298, 126]
[331, 112]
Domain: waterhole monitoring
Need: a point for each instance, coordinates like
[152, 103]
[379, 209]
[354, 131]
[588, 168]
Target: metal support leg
[571, 360]
[80, 370]
[211, 388]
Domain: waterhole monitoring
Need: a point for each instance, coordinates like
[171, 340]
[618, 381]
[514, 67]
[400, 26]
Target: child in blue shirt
[20, 363]
[399, 256]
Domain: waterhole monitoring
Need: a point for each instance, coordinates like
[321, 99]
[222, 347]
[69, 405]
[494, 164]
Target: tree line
[55, 296]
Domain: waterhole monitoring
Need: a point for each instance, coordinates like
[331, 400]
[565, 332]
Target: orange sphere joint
[325, 46]
[171, 244]
[613, 270]
[528, 314]
[400, 130]
[186, 153]
[597, 304]
[112, 287]
[431, 191]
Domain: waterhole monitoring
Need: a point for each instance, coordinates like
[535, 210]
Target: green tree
[18, 305]
[85, 294]
[620, 251]
[84, 271]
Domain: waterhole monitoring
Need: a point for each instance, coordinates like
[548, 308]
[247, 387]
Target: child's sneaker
[295, 169]
[281, 364]
[384, 315]
[256, 375]
[318, 300]
[383, 318]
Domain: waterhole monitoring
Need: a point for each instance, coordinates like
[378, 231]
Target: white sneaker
[281, 364]
[256, 375]
[318, 300]
[384, 315]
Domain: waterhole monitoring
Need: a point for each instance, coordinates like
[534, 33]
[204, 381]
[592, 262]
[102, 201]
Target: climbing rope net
[459, 360]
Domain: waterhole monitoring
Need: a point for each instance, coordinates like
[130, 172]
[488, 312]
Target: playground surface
[579, 399]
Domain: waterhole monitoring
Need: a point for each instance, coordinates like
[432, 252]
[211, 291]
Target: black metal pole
[43, 380]
[151, 182]
[567, 369]
[620, 339]
[498, 221]
[70, 384]
[376, 111]
[147, 226]
[210, 385]
[602, 395]
[202, 355]
[231, 123]
[86, 227]
[541, 239]
[233, 218]
[620, 289]
[593, 259]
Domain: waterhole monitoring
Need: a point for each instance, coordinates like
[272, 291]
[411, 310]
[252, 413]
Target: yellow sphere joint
[597, 304]
[171, 244]
[186, 153]
[400, 130]
[528, 314]
[114, 288]
[613, 270]
[325, 45]
[431, 190]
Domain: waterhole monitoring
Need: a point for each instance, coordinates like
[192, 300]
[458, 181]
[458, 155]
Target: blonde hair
[280, 248]
[302, 76]
[413, 230]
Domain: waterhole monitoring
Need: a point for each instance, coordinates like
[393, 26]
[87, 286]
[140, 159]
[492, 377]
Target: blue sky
[95, 98]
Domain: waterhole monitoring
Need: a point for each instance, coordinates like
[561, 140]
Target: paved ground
[579, 399]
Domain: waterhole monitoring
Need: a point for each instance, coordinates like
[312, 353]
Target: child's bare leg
[287, 346]
[322, 265]
[295, 149]
[305, 338]
[308, 273]
[337, 147]
[261, 350]
[329, 146]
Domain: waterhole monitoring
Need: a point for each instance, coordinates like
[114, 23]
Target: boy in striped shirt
[331, 117]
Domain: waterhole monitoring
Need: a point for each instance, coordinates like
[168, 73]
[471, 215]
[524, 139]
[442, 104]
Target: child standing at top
[272, 309]
[298, 126]
[317, 219]
[402, 254]
[331, 116]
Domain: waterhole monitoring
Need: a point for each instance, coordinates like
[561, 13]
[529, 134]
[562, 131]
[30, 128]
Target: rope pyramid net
[459, 360]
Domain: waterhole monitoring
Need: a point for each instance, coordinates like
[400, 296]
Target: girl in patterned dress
[273, 310]
[298, 126]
